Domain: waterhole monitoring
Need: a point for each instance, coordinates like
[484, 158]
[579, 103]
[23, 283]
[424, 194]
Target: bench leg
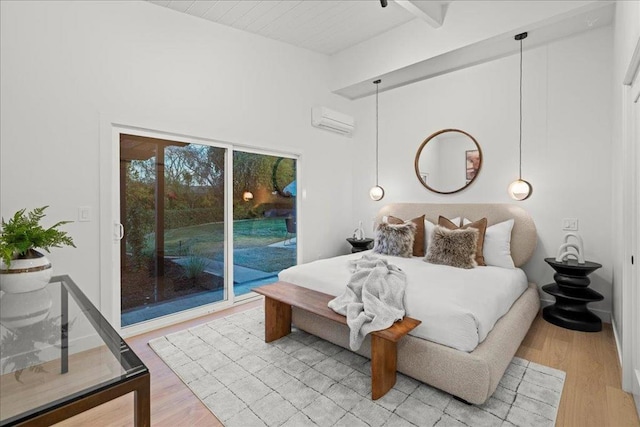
[277, 319]
[384, 361]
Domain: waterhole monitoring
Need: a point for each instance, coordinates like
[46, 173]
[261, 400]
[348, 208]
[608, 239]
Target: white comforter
[458, 307]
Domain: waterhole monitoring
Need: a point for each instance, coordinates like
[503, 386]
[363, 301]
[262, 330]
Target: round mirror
[448, 161]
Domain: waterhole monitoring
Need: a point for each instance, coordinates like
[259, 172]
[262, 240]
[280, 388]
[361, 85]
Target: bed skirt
[470, 376]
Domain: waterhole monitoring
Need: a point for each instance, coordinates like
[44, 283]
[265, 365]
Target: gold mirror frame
[426, 141]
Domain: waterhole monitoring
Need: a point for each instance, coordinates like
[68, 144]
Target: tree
[140, 202]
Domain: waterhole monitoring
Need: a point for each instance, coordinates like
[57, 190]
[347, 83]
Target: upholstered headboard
[523, 236]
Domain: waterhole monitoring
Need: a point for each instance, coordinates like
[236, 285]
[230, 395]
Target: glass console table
[60, 357]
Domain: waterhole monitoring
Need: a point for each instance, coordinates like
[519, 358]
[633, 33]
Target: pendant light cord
[377, 82]
[520, 162]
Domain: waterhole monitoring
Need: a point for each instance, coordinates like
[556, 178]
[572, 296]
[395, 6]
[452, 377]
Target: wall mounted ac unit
[324, 118]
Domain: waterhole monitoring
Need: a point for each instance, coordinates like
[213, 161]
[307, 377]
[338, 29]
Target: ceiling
[368, 42]
[323, 26]
[585, 18]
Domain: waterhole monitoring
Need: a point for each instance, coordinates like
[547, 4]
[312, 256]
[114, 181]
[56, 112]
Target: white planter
[25, 308]
[25, 275]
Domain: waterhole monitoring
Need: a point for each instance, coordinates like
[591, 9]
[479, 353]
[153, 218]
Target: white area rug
[301, 380]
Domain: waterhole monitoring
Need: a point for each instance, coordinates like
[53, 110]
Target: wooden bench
[281, 296]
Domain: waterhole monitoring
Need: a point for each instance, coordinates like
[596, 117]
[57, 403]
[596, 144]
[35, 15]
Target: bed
[469, 358]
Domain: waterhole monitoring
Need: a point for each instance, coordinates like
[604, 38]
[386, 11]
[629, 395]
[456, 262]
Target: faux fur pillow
[395, 239]
[480, 225]
[456, 248]
[418, 241]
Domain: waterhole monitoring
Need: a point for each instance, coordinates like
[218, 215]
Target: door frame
[111, 127]
[631, 208]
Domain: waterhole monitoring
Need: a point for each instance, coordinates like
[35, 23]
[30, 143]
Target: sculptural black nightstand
[359, 245]
[572, 296]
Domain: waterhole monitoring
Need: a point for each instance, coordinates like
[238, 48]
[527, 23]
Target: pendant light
[376, 193]
[520, 189]
[247, 195]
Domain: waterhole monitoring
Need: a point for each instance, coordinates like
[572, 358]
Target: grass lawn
[251, 238]
[264, 258]
[208, 239]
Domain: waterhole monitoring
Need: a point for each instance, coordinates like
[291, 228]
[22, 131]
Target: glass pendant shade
[247, 195]
[520, 190]
[376, 193]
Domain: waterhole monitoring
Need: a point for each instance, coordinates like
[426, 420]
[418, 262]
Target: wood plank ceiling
[324, 26]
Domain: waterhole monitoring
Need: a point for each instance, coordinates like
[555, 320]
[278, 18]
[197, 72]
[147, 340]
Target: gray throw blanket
[374, 298]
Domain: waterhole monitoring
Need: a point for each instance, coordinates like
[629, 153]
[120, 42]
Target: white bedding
[457, 307]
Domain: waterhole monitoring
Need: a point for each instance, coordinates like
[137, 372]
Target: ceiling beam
[432, 12]
[585, 18]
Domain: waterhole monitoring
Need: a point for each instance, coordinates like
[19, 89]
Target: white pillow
[428, 234]
[497, 244]
[428, 231]
[455, 220]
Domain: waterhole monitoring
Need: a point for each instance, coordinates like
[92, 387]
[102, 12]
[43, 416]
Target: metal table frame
[136, 377]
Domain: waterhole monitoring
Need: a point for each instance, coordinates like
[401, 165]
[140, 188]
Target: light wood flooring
[592, 394]
[33, 389]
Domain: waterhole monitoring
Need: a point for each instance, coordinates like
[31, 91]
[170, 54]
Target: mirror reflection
[448, 161]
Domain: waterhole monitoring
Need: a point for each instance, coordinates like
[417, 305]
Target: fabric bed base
[470, 376]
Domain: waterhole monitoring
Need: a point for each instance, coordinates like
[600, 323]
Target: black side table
[359, 245]
[572, 296]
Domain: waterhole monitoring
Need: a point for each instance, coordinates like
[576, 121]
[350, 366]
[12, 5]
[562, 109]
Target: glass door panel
[172, 208]
[264, 218]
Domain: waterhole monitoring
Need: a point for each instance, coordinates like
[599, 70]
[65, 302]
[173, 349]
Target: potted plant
[22, 267]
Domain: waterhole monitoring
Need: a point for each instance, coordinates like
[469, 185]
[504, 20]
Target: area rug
[301, 380]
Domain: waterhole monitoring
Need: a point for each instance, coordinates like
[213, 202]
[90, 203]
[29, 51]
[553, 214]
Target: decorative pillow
[395, 239]
[456, 248]
[428, 233]
[480, 225]
[418, 241]
[497, 244]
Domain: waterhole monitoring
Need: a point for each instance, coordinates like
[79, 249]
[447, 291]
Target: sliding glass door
[264, 218]
[176, 252]
[172, 207]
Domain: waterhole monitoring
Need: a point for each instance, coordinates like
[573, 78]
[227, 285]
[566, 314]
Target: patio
[244, 279]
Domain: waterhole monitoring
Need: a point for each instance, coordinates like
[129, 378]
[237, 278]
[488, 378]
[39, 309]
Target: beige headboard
[523, 237]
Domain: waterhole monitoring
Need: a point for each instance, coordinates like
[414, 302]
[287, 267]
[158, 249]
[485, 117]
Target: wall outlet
[84, 213]
[570, 224]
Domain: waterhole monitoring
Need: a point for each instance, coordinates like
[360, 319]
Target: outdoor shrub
[194, 266]
[243, 210]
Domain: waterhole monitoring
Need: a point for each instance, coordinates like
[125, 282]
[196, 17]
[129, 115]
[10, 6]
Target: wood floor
[592, 394]
[34, 389]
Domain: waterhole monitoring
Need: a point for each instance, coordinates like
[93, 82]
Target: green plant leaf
[23, 233]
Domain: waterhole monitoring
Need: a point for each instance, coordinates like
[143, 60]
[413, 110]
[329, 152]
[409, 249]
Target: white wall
[566, 143]
[64, 65]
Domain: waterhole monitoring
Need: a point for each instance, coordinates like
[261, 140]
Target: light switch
[84, 213]
[570, 224]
